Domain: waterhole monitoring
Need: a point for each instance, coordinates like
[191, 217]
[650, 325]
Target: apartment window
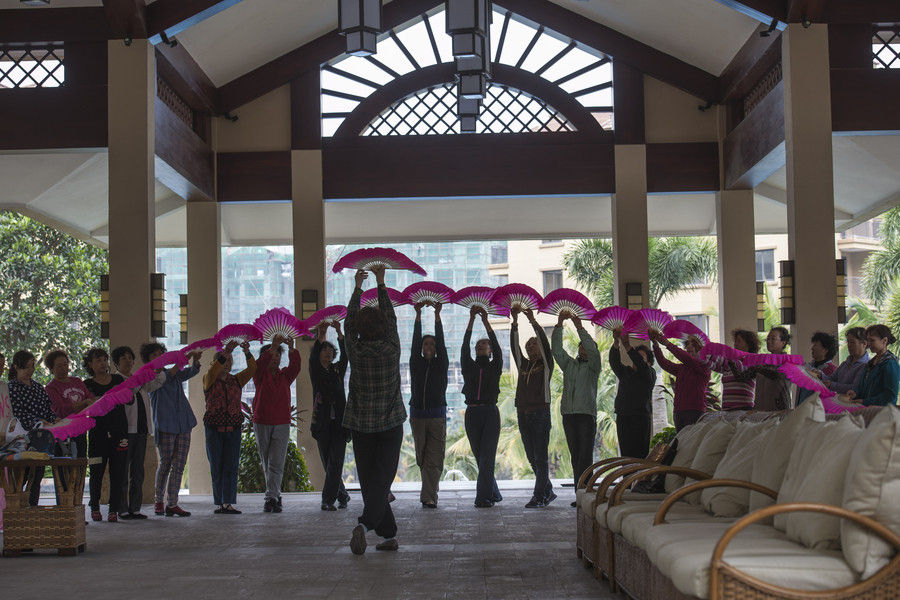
[499, 254]
[765, 265]
[550, 242]
[498, 280]
[552, 281]
[701, 321]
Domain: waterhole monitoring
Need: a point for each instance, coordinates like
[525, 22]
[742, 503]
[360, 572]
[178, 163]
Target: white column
[629, 221]
[735, 241]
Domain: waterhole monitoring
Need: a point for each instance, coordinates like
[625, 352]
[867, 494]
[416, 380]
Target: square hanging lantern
[360, 22]
[158, 305]
[760, 305]
[841, 281]
[788, 316]
[634, 295]
[468, 22]
[472, 86]
[468, 110]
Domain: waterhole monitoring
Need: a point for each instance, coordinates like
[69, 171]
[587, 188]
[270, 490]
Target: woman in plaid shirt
[375, 411]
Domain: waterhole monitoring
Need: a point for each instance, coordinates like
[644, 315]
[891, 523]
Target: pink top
[691, 378]
[64, 394]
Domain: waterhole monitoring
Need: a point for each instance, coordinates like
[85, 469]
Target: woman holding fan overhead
[481, 388]
[634, 395]
[691, 377]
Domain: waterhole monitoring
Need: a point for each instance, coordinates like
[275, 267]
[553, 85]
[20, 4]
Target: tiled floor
[456, 551]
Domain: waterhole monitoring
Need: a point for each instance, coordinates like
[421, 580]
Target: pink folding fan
[481, 297]
[804, 379]
[173, 357]
[753, 360]
[327, 315]
[71, 426]
[143, 375]
[612, 317]
[202, 345]
[428, 291]
[568, 303]
[368, 258]
[370, 297]
[682, 330]
[645, 320]
[279, 321]
[238, 332]
[718, 356]
[517, 296]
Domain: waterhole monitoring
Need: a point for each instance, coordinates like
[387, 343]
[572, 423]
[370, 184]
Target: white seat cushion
[816, 473]
[737, 463]
[872, 488]
[644, 504]
[638, 527]
[759, 551]
[776, 448]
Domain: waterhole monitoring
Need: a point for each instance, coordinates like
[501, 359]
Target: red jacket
[272, 401]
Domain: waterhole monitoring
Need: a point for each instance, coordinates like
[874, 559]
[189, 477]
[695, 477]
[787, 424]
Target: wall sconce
[309, 303]
[183, 300]
[841, 269]
[760, 305]
[786, 282]
[104, 307]
[360, 22]
[158, 305]
[634, 295]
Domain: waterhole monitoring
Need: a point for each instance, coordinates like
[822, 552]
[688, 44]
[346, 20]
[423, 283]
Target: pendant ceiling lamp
[360, 22]
[469, 26]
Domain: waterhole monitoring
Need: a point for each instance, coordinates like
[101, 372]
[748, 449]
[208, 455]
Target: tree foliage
[50, 291]
[675, 263]
[882, 267]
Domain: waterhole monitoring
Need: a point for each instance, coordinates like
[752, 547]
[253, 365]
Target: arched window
[578, 77]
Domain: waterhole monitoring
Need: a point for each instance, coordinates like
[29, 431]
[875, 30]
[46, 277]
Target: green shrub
[251, 479]
[663, 437]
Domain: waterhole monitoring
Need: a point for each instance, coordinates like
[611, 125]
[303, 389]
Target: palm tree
[882, 267]
[675, 263]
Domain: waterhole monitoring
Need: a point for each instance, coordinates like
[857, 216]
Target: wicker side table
[59, 527]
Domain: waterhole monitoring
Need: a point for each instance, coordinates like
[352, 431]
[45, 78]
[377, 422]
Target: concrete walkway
[456, 551]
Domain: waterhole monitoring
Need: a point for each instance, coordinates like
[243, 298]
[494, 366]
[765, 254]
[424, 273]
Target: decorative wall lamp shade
[841, 270]
[360, 22]
[309, 302]
[760, 305]
[182, 303]
[786, 283]
[158, 305]
[634, 295]
[468, 22]
[104, 306]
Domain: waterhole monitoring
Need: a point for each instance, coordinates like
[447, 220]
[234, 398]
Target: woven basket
[44, 528]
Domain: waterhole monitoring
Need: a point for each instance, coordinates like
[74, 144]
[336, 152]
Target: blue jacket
[879, 383]
[172, 412]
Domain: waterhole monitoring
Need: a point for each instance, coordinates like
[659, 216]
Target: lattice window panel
[32, 67]
[762, 88]
[175, 102]
[886, 48]
[432, 111]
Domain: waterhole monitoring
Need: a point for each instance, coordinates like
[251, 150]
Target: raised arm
[439, 341]
[387, 307]
[514, 349]
[496, 351]
[415, 351]
[465, 355]
[615, 362]
[665, 363]
[546, 354]
[344, 359]
[293, 369]
[247, 374]
[350, 332]
[556, 345]
[644, 371]
[590, 347]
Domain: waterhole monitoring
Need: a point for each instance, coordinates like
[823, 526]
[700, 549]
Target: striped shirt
[738, 389]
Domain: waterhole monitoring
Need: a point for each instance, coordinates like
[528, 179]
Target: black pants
[483, 431]
[534, 427]
[332, 447]
[377, 455]
[133, 485]
[581, 431]
[112, 451]
[683, 418]
[634, 435]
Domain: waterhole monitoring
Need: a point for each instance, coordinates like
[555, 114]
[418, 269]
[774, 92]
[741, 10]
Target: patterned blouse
[30, 403]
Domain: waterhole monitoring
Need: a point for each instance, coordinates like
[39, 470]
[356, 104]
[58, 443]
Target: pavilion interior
[719, 131]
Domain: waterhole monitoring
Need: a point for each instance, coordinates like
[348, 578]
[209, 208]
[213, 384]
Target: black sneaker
[497, 498]
[137, 516]
[574, 504]
[125, 516]
[550, 498]
[342, 503]
[390, 545]
[328, 507]
[276, 506]
[483, 504]
[429, 505]
[534, 503]
[279, 501]
[358, 540]
[219, 510]
[269, 505]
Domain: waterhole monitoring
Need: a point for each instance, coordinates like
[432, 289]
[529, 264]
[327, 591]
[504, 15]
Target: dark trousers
[112, 451]
[332, 447]
[133, 489]
[683, 418]
[483, 431]
[534, 427]
[223, 449]
[634, 435]
[377, 455]
[34, 476]
[581, 431]
[81, 446]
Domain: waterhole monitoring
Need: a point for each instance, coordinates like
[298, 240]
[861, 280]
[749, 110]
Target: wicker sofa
[774, 506]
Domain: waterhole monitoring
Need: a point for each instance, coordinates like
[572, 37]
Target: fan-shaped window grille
[578, 70]
[31, 67]
[432, 111]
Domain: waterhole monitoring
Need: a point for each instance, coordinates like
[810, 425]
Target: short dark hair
[327, 344]
[52, 356]
[120, 351]
[19, 360]
[89, 357]
[784, 333]
[882, 331]
[857, 332]
[828, 341]
[371, 324]
[647, 352]
[749, 337]
[149, 348]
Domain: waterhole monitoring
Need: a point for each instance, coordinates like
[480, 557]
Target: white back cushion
[689, 440]
[710, 453]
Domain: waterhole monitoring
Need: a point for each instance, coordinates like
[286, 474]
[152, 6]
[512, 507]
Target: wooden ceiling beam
[174, 16]
[126, 18]
[752, 61]
[178, 68]
[26, 25]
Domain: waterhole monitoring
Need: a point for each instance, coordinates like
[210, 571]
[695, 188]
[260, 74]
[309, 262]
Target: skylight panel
[574, 60]
[416, 40]
[589, 79]
[389, 54]
[517, 38]
[331, 104]
[332, 81]
[359, 66]
[438, 23]
[544, 50]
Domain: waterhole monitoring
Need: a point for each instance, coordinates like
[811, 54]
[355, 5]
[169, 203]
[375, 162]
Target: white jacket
[143, 395]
